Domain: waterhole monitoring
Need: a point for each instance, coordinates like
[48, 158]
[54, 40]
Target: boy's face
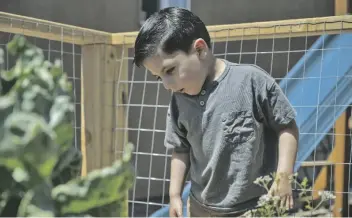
[180, 72]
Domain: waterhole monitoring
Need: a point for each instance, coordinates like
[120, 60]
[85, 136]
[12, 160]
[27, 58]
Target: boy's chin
[192, 92]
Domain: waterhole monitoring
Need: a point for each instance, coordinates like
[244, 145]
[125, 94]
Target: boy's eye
[169, 71]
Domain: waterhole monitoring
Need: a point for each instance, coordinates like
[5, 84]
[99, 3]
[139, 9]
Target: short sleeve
[175, 137]
[274, 106]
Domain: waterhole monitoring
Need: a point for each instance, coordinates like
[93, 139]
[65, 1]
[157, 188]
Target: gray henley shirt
[231, 132]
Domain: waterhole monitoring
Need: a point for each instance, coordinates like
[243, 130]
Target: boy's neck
[216, 68]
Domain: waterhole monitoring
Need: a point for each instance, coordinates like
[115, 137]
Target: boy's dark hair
[174, 29]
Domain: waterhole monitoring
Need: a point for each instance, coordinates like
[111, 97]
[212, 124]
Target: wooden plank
[121, 98]
[16, 24]
[107, 106]
[316, 163]
[347, 166]
[28, 26]
[265, 30]
[91, 69]
[103, 67]
[339, 168]
[121, 112]
[101, 70]
[341, 7]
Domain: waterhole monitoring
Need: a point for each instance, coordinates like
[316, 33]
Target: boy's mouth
[181, 90]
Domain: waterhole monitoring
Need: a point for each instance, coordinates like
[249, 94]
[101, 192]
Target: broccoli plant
[39, 165]
[268, 206]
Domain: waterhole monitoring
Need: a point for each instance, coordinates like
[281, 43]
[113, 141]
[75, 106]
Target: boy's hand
[175, 207]
[282, 188]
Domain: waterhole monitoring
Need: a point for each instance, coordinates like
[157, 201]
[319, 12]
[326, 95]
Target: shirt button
[201, 103]
[203, 92]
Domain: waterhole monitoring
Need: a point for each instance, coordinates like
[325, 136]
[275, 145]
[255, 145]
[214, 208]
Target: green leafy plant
[268, 206]
[39, 165]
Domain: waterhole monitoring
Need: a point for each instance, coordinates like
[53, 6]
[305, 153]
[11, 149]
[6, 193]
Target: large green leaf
[98, 188]
[17, 44]
[39, 128]
[28, 138]
[6, 184]
[6, 181]
[68, 167]
[37, 202]
[7, 103]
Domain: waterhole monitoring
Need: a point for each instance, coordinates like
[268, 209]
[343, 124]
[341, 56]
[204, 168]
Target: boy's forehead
[154, 63]
[159, 60]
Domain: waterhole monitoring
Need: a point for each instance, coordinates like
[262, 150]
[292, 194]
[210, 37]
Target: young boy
[227, 123]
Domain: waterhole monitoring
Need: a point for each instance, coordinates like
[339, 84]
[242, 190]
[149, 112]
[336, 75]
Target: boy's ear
[200, 46]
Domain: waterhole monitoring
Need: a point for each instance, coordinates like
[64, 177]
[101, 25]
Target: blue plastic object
[164, 212]
[319, 86]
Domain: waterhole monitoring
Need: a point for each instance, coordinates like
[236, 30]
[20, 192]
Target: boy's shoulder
[249, 75]
[249, 70]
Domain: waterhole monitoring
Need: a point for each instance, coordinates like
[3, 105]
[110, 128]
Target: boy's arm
[278, 114]
[179, 169]
[288, 144]
[175, 138]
